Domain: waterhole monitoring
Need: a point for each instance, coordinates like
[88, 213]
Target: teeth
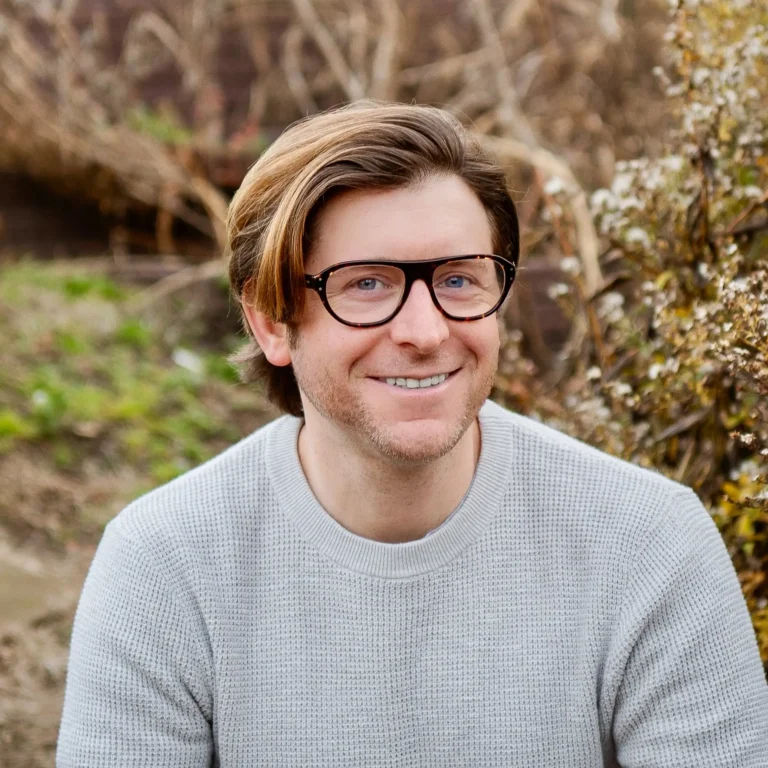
[430, 381]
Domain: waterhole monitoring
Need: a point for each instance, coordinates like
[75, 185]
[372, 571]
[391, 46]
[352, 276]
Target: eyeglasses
[363, 294]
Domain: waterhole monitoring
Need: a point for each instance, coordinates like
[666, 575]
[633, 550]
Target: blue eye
[455, 283]
[368, 284]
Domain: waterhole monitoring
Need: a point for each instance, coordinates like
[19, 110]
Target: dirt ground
[38, 596]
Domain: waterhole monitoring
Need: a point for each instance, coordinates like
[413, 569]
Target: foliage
[166, 128]
[86, 387]
[674, 371]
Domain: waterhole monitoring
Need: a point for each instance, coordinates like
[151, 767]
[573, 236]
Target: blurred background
[635, 138]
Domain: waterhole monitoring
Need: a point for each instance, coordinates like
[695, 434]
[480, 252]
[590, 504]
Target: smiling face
[358, 384]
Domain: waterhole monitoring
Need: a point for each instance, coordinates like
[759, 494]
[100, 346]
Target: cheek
[482, 337]
[321, 343]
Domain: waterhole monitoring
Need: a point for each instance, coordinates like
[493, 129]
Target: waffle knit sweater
[576, 611]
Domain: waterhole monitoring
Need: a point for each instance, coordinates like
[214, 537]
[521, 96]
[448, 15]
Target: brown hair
[366, 145]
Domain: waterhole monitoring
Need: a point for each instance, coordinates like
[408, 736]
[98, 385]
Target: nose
[419, 323]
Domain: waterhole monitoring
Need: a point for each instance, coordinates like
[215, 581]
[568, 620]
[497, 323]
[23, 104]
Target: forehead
[439, 217]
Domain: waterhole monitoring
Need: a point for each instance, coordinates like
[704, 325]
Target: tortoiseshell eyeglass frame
[423, 269]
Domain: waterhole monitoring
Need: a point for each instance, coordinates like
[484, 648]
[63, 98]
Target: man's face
[342, 371]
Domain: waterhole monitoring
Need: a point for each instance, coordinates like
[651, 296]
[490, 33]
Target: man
[400, 573]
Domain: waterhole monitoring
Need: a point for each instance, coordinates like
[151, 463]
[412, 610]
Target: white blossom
[571, 265]
[187, 359]
[557, 289]
[638, 236]
[40, 398]
[593, 373]
[603, 198]
[554, 186]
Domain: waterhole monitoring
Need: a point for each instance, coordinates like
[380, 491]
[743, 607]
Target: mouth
[426, 382]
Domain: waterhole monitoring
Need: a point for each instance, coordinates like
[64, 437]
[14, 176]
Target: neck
[401, 503]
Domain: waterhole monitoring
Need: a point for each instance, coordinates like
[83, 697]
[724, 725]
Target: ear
[271, 337]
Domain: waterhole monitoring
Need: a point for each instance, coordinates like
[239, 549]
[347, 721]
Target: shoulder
[588, 494]
[207, 505]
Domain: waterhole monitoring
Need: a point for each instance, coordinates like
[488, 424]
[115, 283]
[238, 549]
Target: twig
[215, 206]
[358, 40]
[510, 113]
[314, 26]
[472, 98]
[188, 63]
[586, 236]
[685, 463]
[383, 82]
[209, 270]
[608, 20]
[684, 424]
[524, 142]
[589, 309]
[528, 66]
[750, 229]
[443, 69]
[610, 283]
[293, 74]
[746, 213]
[515, 15]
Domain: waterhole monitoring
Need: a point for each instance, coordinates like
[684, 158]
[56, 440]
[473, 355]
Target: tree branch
[315, 28]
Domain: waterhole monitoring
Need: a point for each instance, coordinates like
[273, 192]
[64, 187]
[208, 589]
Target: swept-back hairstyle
[367, 145]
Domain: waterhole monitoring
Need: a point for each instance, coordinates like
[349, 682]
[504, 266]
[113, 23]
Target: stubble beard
[346, 409]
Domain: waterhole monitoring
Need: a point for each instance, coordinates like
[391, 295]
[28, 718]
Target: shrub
[674, 374]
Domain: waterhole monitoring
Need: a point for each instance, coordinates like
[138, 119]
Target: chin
[416, 443]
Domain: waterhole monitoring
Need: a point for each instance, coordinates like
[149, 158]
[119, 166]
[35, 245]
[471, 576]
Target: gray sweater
[576, 610]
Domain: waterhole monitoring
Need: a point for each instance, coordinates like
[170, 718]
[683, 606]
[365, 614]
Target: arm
[689, 685]
[136, 692]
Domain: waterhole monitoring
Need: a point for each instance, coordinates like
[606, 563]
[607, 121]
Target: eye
[455, 281]
[367, 283]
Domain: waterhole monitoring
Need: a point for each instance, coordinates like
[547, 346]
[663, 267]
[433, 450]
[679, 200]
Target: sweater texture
[575, 611]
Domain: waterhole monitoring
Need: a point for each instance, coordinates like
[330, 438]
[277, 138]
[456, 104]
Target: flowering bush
[673, 373]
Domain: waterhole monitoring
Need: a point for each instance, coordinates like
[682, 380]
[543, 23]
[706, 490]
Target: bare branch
[176, 281]
[383, 81]
[215, 204]
[187, 62]
[510, 113]
[314, 26]
[515, 15]
[523, 144]
[443, 69]
[608, 19]
[586, 236]
[293, 74]
[358, 41]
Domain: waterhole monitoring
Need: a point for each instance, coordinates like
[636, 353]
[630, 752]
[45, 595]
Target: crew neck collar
[381, 559]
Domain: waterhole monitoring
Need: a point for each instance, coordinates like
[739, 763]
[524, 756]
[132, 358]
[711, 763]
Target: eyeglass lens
[371, 293]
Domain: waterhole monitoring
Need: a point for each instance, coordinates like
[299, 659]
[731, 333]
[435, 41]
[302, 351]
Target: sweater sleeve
[136, 692]
[690, 688]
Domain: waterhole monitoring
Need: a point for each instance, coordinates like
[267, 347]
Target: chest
[418, 673]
